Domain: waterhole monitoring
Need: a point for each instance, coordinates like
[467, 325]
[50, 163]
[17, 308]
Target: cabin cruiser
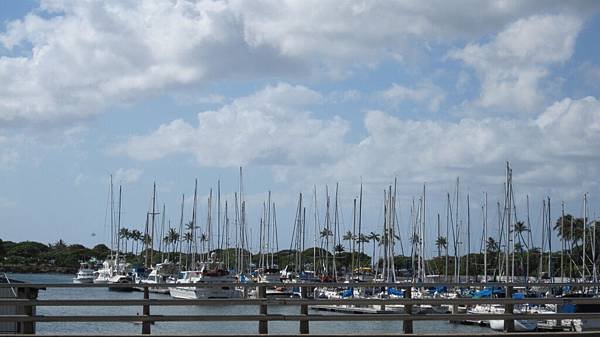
[162, 274]
[85, 274]
[211, 272]
[114, 271]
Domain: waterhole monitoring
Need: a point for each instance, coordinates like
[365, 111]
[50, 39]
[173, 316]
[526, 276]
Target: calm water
[195, 327]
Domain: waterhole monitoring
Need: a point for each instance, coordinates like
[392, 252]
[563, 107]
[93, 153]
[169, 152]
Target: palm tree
[563, 226]
[441, 243]
[124, 234]
[361, 240]
[171, 238]
[188, 237]
[136, 236]
[375, 238]
[348, 237]
[491, 245]
[203, 240]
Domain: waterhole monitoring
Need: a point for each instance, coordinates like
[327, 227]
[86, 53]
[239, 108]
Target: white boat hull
[520, 325]
[204, 292]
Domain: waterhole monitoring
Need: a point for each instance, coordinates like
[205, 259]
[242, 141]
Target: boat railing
[303, 302]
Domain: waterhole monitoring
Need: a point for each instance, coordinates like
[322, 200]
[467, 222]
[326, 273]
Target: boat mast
[315, 232]
[584, 228]
[112, 219]
[360, 241]
[181, 229]
[118, 231]
[153, 214]
[194, 241]
[485, 235]
[219, 245]
[549, 231]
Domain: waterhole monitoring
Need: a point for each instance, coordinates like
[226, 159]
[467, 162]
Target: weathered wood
[574, 285]
[298, 301]
[304, 325]
[146, 330]
[407, 325]
[263, 322]
[509, 324]
[285, 317]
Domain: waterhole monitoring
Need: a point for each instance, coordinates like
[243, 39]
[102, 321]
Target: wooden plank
[315, 284]
[283, 301]
[283, 317]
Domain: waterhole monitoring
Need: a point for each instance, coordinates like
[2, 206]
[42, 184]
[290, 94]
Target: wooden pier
[146, 319]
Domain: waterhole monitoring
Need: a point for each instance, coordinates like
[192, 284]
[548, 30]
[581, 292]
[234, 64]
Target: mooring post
[509, 324]
[407, 325]
[263, 323]
[146, 312]
[303, 311]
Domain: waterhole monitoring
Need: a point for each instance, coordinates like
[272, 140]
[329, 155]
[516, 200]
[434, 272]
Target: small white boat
[521, 325]
[85, 274]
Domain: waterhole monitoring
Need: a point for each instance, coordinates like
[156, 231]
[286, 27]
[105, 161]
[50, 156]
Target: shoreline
[35, 269]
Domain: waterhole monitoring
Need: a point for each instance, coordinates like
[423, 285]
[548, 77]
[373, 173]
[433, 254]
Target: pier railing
[27, 320]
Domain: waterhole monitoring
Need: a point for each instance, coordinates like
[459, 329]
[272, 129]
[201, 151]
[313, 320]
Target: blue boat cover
[396, 292]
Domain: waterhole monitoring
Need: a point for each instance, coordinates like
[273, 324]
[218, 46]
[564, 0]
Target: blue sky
[300, 94]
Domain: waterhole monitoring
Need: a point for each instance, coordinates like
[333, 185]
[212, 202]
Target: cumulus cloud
[514, 62]
[270, 127]
[426, 93]
[72, 59]
[275, 128]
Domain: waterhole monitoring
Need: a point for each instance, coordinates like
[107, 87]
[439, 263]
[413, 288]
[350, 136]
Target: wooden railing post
[509, 324]
[303, 311]
[29, 310]
[263, 323]
[146, 312]
[407, 325]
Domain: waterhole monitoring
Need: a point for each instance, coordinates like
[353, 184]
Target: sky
[302, 95]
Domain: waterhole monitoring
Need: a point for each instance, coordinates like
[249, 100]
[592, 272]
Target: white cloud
[425, 93]
[127, 176]
[76, 58]
[270, 127]
[274, 129]
[512, 65]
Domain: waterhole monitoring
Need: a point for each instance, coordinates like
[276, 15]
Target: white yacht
[85, 274]
[162, 273]
[210, 272]
[114, 271]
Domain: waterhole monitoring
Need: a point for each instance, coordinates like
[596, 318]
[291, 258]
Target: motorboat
[85, 274]
[210, 272]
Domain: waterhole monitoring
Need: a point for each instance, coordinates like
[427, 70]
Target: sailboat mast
[181, 229]
[112, 218]
[118, 230]
[485, 235]
[194, 241]
[152, 224]
[468, 236]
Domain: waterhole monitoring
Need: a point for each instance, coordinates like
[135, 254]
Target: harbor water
[198, 327]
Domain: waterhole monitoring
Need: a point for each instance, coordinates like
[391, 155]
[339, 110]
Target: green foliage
[27, 249]
[100, 251]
